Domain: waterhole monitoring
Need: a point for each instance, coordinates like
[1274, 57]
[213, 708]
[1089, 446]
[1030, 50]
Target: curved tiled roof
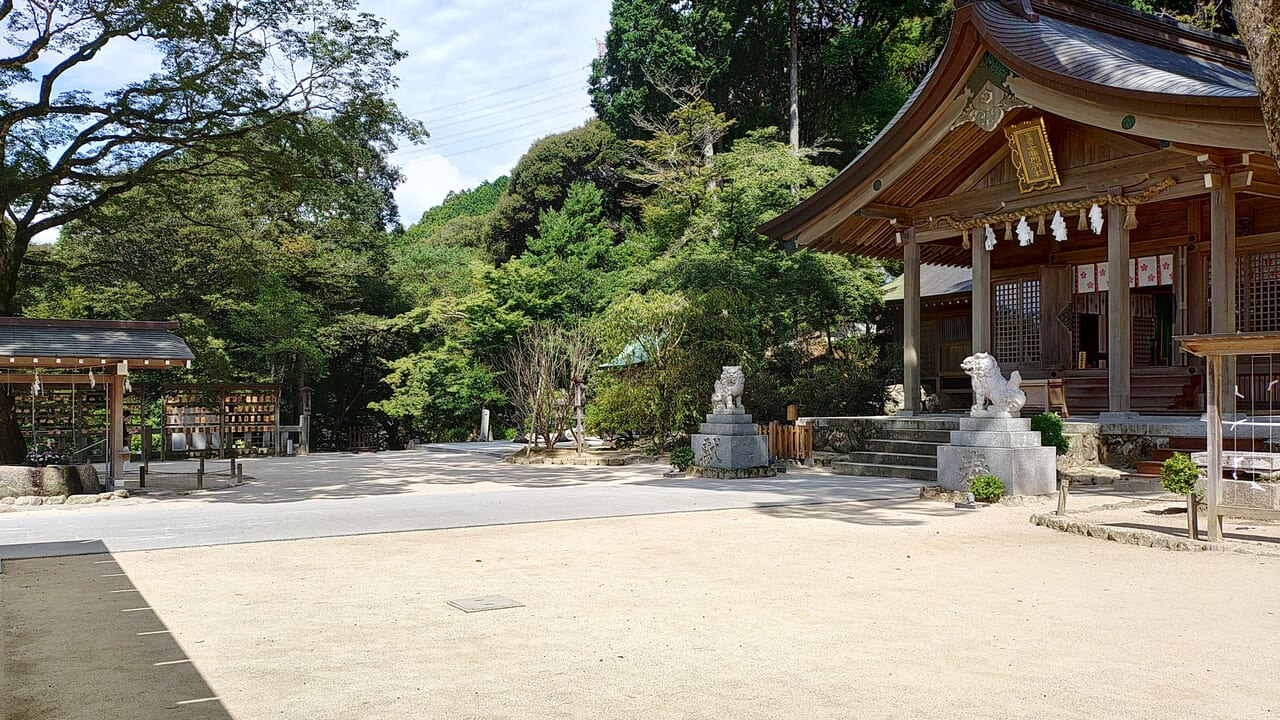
[1087, 55]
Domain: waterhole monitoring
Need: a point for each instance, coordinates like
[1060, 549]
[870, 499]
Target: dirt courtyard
[886, 609]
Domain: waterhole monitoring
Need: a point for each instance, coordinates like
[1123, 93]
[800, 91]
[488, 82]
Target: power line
[473, 137]
[500, 92]
[451, 138]
[500, 143]
[535, 99]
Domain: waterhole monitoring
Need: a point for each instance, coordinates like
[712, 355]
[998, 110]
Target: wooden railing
[789, 442]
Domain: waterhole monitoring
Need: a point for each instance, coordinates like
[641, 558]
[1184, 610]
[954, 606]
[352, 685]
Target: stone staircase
[900, 448]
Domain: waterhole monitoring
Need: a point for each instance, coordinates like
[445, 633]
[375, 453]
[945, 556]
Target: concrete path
[343, 494]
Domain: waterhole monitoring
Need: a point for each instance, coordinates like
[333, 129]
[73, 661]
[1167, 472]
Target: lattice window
[1017, 321]
[957, 328]
[1258, 292]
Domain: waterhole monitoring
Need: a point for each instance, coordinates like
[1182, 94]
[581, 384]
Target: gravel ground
[888, 609]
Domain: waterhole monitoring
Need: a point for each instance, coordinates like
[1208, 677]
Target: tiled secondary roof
[935, 280]
[39, 338]
[1085, 54]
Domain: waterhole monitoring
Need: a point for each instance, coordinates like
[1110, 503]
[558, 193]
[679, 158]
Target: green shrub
[1179, 475]
[1050, 426]
[987, 488]
[682, 457]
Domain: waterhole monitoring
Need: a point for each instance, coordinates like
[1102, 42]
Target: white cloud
[487, 78]
[427, 181]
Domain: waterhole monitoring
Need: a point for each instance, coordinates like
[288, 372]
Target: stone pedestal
[1004, 447]
[730, 441]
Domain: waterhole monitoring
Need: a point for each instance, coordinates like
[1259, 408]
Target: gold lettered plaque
[1032, 156]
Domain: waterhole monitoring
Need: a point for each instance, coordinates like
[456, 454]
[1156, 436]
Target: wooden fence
[789, 442]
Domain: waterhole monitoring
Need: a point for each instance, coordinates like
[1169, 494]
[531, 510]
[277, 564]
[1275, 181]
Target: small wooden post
[1192, 520]
[1064, 485]
[239, 472]
[200, 473]
[142, 476]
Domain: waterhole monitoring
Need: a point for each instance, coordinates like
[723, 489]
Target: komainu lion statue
[728, 393]
[990, 386]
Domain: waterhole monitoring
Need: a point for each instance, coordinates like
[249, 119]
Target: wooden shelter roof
[1226, 344]
[1125, 84]
[71, 344]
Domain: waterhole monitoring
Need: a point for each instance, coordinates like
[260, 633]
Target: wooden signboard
[1032, 156]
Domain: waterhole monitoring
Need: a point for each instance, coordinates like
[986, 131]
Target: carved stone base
[1004, 447]
[740, 474]
[730, 442]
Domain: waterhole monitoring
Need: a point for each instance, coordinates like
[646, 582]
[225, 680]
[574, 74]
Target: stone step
[893, 471]
[933, 436]
[919, 424]
[903, 459]
[909, 447]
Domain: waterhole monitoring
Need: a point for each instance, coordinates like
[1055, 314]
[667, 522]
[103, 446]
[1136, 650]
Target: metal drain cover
[485, 602]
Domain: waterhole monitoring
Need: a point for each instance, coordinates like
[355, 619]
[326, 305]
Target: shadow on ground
[79, 641]
[340, 476]
[1181, 532]
[846, 498]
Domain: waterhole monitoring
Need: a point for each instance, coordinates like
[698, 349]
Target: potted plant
[1181, 476]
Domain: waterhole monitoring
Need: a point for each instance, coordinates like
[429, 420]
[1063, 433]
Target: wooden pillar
[1213, 424]
[1222, 272]
[911, 322]
[981, 295]
[1119, 322]
[115, 429]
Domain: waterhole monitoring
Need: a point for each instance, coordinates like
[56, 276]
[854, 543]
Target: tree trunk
[13, 447]
[1258, 22]
[795, 83]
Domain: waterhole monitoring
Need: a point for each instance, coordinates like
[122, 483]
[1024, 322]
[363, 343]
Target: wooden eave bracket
[1246, 183]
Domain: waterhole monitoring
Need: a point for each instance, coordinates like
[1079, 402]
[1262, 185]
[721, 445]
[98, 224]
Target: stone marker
[729, 441]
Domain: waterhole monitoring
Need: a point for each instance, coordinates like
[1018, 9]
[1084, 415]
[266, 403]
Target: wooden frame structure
[210, 418]
[1215, 349]
[1157, 143]
[65, 351]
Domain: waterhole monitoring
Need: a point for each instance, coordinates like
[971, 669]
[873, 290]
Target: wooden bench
[1049, 393]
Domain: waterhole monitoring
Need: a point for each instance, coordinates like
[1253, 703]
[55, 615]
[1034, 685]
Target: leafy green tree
[857, 63]
[67, 151]
[541, 179]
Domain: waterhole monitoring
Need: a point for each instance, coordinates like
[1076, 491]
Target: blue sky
[487, 78]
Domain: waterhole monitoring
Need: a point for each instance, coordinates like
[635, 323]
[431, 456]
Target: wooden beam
[911, 323]
[1246, 183]
[1119, 321]
[880, 210]
[1134, 168]
[1257, 240]
[1136, 249]
[981, 293]
[1222, 272]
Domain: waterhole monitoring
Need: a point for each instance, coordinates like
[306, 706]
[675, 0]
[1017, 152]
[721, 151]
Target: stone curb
[1144, 538]
[38, 500]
